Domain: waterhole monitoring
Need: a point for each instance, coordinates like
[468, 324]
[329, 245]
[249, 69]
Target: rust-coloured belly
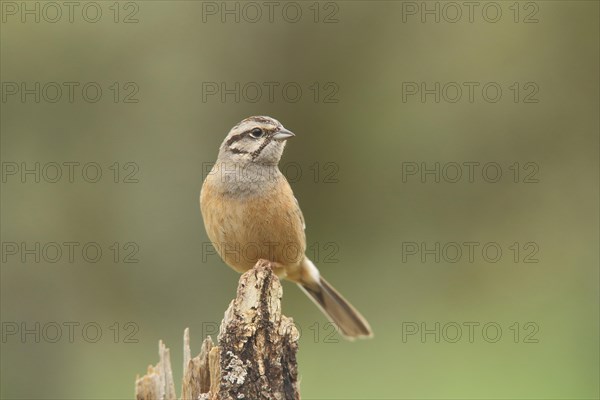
[247, 229]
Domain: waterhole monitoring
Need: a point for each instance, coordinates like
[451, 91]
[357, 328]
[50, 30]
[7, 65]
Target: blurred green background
[360, 55]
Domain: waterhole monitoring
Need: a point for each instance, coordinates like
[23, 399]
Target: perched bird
[250, 213]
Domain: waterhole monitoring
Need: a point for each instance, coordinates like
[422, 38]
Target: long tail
[348, 320]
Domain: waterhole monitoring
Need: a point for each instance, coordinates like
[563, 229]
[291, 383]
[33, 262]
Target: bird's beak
[283, 134]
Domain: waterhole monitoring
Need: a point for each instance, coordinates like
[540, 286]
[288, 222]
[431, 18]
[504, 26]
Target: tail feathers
[348, 320]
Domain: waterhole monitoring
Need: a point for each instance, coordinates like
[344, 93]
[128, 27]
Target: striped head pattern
[256, 139]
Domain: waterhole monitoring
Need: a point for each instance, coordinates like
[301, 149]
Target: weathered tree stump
[255, 358]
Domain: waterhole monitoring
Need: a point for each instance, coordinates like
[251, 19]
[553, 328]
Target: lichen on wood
[255, 357]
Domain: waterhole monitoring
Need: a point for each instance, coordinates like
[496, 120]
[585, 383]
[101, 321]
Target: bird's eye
[256, 133]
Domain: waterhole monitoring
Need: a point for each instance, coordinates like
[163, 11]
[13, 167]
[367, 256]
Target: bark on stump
[255, 358]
